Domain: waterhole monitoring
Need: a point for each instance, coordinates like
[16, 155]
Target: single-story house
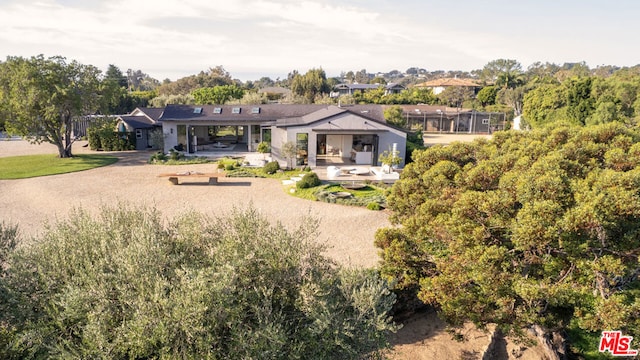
[142, 122]
[350, 89]
[440, 85]
[355, 134]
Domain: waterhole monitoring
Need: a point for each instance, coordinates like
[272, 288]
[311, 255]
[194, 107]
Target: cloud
[274, 37]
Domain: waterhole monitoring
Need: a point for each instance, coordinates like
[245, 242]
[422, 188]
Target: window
[197, 110]
[235, 110]
[217, 110]
[182, 134]
[302, 145]
[485, 121]
[138, 134]
[266, 135]
[255, 110]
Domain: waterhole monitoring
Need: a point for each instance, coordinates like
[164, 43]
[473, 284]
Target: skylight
[197, 110]
[217, 110]
[255, 110]
[235, 110]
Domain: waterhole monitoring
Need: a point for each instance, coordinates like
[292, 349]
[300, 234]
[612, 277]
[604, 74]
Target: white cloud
[175, 39]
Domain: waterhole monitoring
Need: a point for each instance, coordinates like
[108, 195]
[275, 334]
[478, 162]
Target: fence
[471, 122]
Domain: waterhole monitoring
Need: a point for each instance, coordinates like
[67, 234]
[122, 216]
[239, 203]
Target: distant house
[354, 134]
[350, 89]
[440, 85]
[141, 121]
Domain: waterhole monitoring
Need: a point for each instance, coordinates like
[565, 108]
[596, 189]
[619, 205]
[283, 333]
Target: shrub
[8, 242]
[102, 136]
[263, 147]
[243, 172]
[131, 284]
[271, 167]
[307, 169]
[175, 155]
[309, 180]
[229, 167]
[373, 206]
[158, 157]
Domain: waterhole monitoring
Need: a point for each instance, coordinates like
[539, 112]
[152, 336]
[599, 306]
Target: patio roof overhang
[221, 123]
[349, 132]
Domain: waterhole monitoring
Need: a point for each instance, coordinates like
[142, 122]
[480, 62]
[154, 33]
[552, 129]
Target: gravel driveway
[31, 203]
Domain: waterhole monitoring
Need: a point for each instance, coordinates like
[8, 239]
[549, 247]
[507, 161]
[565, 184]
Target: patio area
[337, 170]
[355, 173]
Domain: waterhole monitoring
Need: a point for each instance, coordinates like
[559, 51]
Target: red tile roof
[448, 82]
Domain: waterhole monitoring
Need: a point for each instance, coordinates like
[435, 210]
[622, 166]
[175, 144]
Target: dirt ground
[347, 231]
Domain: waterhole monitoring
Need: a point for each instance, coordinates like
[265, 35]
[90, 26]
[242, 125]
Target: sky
[252, 39]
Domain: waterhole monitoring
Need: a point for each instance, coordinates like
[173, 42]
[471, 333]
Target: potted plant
[390, 159]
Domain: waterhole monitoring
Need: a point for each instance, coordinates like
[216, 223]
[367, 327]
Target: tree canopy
[529, 228]
[313, 83]
[217, 94]
[503, 73]
[393, 115]
[129, 284]
[213, 77]
[41, 96]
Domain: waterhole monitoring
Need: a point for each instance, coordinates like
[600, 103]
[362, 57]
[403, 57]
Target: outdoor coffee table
[359, 171]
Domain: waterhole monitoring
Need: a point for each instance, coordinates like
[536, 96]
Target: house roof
[236, 113]
[427, 109]
[371, 112]
[283, 115]
[367, 86]
[394, 86]
[138, 122]
[152, 113]
[448, 82]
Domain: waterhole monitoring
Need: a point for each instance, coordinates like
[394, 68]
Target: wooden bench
[213, 177]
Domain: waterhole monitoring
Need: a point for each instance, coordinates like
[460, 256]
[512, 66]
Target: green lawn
[22, 167]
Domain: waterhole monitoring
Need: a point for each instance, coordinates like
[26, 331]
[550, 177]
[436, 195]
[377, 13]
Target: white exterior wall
[386, 141]
[278, 137]
[345, 125]
[170, 132]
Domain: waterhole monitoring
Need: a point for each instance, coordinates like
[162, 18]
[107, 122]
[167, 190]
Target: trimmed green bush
[271, 167]
[263, 147]
[103, 137]
[309, 180]
[229, 167]
[374, 206]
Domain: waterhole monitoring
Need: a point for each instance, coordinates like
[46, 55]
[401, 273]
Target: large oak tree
[41, 96]
[531, 229]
